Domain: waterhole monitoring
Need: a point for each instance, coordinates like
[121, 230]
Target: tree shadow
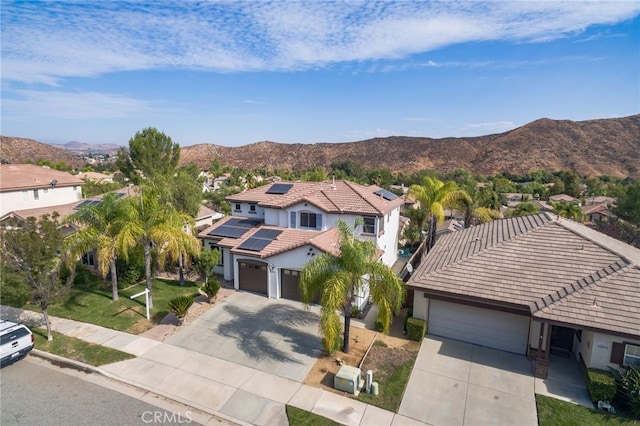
[255, 332]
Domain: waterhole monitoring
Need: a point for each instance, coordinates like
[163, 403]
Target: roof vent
[333, 183]
[54, 182]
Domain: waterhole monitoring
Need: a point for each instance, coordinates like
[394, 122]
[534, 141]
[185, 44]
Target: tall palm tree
[433, 195]
[339, 278]
[145, 220]
[568, 210]
[466, 202]
[97, 232]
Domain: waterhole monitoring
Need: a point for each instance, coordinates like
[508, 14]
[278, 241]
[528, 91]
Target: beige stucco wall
[596, 349]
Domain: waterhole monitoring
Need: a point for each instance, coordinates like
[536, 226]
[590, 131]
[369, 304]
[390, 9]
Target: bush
[409, 315]
[629, 389]
[180, 305]
[601, 385]
[416, 328]
[355, 312]
[379, 326]
[211, 288]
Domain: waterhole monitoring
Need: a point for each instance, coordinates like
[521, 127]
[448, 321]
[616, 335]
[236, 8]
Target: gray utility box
[348, 379]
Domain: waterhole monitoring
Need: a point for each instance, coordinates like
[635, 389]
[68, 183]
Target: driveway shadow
[257, 333]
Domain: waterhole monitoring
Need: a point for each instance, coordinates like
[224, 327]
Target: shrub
[355, 312]
[379, 325]
[601, 385]
[416, 328]
[180, 305]
[211, 288]
[409, 315]
[629, 389]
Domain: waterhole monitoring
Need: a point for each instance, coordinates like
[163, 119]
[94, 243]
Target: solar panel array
[279, 188]
[234, 228]
[260, 239]
[387, 195]
[86, 203]
[96, 202]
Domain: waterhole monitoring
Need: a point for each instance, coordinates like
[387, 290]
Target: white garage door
[485, 327]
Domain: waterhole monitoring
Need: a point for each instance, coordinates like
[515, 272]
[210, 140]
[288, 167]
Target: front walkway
[565, 382]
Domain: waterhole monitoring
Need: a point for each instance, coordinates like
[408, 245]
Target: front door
[562, 340]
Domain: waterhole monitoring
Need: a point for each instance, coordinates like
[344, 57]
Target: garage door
[289, 284]
[485, 327]
[253, 276]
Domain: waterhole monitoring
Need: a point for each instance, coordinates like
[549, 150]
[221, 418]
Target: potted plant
[180, 306]
[210, 289]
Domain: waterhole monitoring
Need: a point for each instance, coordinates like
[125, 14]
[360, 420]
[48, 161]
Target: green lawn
[553, 412]
[92, 303]
[298, 417]
[76, 349]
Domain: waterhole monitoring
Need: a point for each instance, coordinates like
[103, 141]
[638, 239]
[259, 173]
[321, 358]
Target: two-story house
[275, 229]
[27, 186]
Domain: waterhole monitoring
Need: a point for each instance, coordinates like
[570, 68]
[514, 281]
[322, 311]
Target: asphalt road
[33, 394]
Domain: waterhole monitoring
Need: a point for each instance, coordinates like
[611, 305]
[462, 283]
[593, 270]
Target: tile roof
[546, 265]
[63, 210]
[332, 197]
[288, 239]
[16, 177]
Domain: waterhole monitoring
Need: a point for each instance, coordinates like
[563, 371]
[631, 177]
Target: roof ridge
[579, 286]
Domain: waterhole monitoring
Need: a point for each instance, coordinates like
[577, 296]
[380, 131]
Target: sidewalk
[231, 392]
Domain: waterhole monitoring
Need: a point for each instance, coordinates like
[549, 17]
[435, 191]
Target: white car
[16, 340]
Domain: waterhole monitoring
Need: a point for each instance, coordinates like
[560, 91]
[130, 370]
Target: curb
[87, 368]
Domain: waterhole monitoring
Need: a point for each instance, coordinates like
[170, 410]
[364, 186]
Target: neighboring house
[277, 228]
[598, 212]
[449, 225]
[206, 217]
[600, 199]
[27, 186]
[534, 285]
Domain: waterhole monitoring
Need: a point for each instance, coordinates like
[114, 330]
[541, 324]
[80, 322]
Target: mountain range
[594, 147]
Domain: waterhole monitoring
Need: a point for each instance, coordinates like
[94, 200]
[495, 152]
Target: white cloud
[73, 105]
[46, 41]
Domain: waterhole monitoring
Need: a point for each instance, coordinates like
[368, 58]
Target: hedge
[416, 328]
[601, 385]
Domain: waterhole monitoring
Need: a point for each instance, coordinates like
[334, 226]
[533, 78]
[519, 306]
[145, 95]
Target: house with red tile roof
[27, 186]
[275, 229]
[534, 285]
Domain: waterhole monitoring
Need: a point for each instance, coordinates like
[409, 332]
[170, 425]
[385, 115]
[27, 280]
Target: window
[36, 195]
[309, 220]
[631, 355]
[237, 208]
[252, 208]
[369, 225]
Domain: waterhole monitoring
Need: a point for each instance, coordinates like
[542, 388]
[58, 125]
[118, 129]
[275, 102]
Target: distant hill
[593, 147]
[84, 148]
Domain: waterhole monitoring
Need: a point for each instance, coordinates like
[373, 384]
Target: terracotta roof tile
[15, 177]
[331, 197]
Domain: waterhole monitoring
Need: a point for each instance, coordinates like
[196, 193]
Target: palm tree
[339, 278]
[466, 203]
[145, 220]
[433, 195]
[96, 232]
[568, 210]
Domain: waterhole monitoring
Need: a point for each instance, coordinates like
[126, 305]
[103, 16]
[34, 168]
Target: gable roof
[553, 268]
[332, 197]
[17, 177]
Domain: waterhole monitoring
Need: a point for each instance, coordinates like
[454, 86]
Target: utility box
[348, 379]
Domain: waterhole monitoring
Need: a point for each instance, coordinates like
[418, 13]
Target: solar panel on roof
[387, 195]
[260, 239]
[86, 203]
[234, 228]
[279, 188]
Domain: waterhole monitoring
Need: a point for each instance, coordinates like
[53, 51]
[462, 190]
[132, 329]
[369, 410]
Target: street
[35, 393]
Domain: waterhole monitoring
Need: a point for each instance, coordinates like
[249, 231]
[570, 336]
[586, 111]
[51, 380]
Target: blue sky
[235, 73]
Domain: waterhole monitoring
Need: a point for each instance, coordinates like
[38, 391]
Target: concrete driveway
[457, 383]
[272, 335]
